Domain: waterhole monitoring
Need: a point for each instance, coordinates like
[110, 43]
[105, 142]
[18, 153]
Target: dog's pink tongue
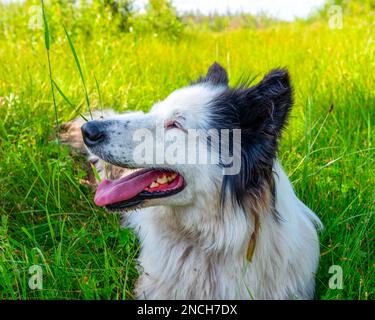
[110, 192]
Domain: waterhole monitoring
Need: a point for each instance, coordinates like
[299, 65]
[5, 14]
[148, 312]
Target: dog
[205, 234]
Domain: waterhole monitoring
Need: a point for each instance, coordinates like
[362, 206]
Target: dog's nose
[93, 133]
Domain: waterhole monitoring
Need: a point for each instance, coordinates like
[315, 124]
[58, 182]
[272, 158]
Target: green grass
[48, 218]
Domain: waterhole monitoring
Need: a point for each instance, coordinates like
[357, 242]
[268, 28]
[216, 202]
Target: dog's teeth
[154, 185]
[172, 177]
[162, 180]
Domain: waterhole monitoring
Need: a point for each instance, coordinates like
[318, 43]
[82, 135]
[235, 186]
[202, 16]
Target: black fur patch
[216, 75]
[260, 112]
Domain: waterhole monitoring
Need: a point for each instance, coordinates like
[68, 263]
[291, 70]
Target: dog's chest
[179, 271]
[173, 266]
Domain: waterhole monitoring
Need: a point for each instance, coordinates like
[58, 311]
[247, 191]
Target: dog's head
[202, 140]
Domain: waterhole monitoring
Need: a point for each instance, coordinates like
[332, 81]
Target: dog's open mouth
[133, 189]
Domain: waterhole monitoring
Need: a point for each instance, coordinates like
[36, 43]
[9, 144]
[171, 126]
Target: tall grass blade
[67, 99]
[47, 45]
[46, 29]
[79, 70]
[100, 95]
[62, 94]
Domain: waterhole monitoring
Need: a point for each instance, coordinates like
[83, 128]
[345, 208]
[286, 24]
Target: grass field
[48, 218]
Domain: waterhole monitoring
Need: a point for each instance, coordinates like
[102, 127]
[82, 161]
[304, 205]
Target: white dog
[205, 234]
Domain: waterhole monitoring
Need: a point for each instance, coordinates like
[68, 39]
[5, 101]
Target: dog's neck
[200, 252]
[203, 242]
[216, 230]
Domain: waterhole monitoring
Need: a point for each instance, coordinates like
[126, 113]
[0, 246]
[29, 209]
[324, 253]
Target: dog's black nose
[93, 133]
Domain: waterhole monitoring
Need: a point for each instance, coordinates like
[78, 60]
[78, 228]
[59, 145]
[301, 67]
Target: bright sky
[282, 9]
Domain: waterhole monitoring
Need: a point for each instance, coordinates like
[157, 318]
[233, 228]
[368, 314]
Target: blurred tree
[162, 17]
[122, 10]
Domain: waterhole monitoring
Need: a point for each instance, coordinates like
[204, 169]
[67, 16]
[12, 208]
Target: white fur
[215, 267]
[192, 250]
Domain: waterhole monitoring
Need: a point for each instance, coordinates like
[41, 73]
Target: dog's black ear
[216, 75]
[266, 106]
[260, 112]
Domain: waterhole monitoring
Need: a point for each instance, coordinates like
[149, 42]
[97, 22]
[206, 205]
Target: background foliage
[47, 216]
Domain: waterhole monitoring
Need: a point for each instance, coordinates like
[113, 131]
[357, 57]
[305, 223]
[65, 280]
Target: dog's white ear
[216, 75]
